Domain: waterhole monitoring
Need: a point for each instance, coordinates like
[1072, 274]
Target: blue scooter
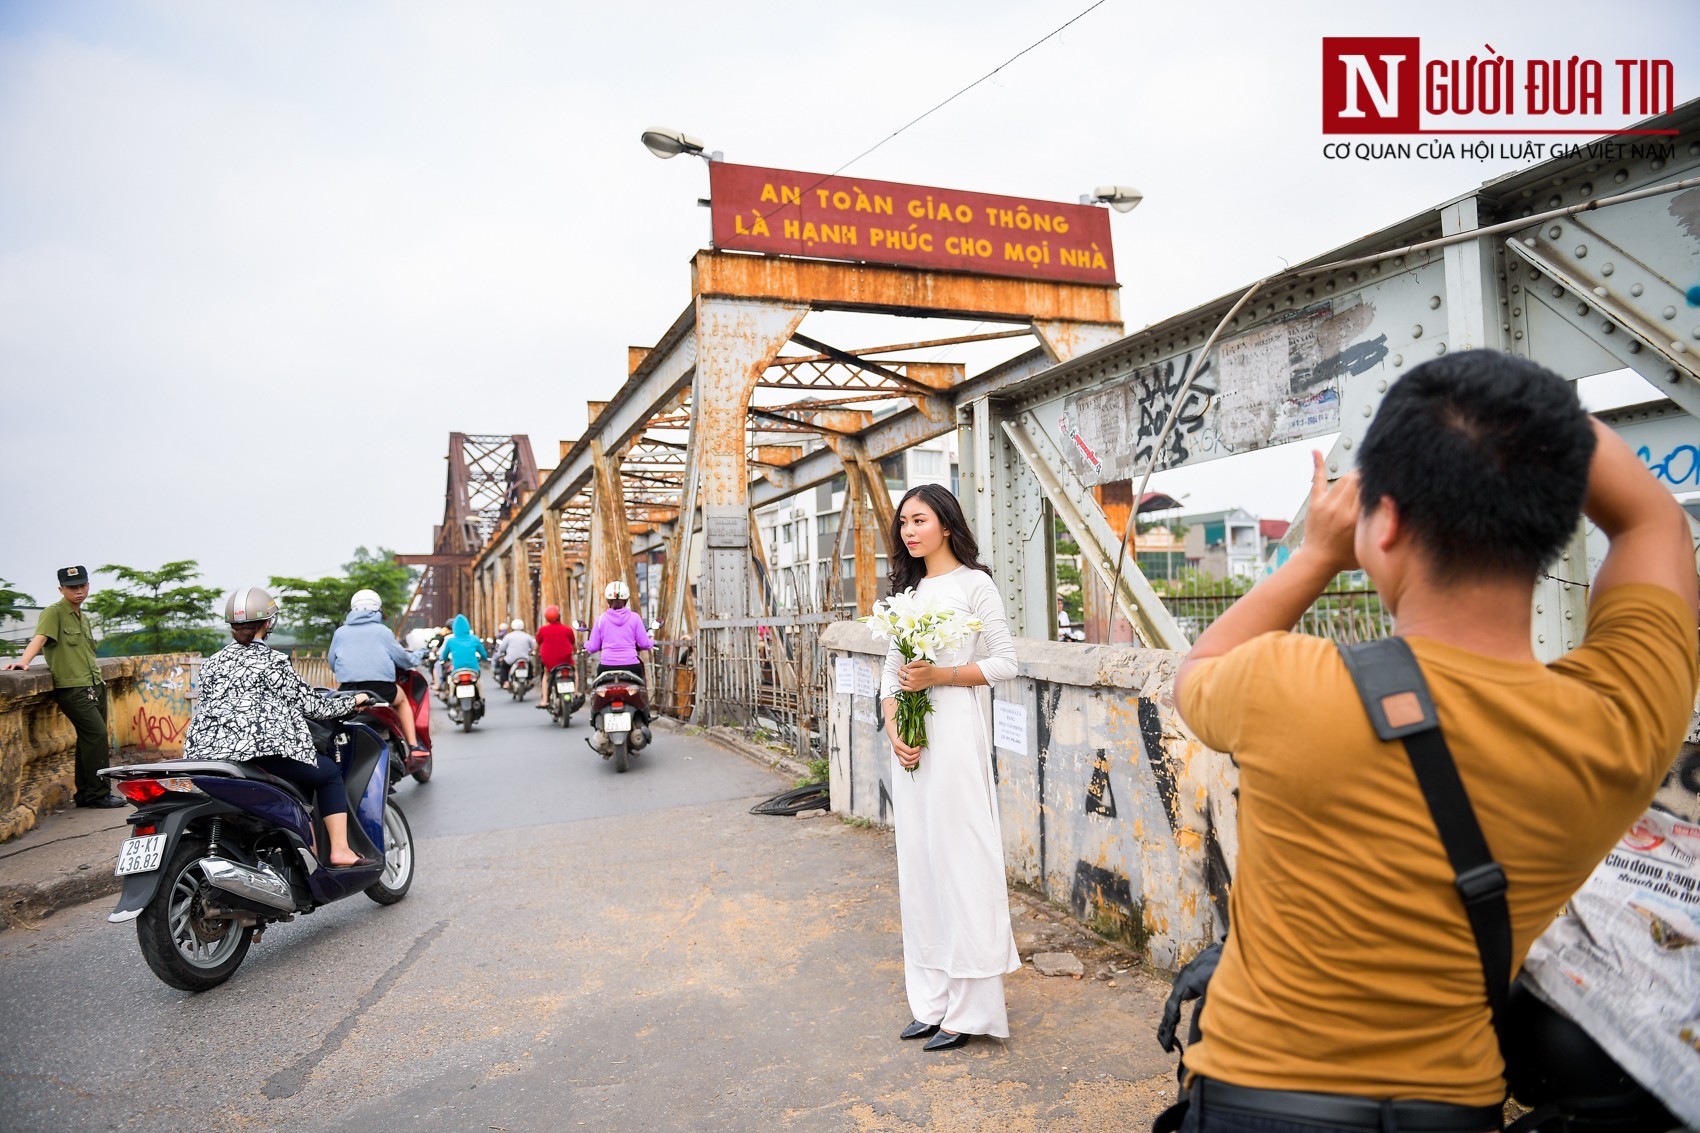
[219, 850]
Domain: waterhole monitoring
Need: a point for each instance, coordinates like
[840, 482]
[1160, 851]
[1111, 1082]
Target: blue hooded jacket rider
[462, 649]
[364, 649]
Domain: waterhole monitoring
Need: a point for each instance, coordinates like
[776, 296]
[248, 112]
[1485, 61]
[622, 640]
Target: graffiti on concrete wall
[165, 692]
[1278, 382]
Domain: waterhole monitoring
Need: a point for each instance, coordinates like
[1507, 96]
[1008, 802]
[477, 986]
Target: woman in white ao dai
[957, 942]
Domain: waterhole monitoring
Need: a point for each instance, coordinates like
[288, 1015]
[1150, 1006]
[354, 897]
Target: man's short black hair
[1486, 456]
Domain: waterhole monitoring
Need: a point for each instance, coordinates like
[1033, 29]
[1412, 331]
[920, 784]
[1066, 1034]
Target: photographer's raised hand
[1277, 602]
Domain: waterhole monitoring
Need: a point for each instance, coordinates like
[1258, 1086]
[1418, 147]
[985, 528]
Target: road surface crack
[289, 1081]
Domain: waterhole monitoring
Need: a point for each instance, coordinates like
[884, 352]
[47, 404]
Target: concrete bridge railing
[147, 714]
[1109, 805]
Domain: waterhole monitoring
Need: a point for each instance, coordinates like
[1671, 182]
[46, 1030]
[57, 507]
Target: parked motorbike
[221, 850]
[564, 696]
[403, 760]
[520, 677]
[619, 712]
[466, 698]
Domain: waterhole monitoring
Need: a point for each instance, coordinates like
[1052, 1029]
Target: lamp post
[1122, 198]
[665, 143]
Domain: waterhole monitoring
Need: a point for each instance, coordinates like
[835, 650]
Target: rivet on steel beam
[1381, 385]
[1517, 312]
[1620, 176]
[1439, 348]
[1581, 308]
[1347, 443]
[1517, 335]
[1398, 261]
[1525, 212]
[1541, 639]
[1540, 609]
[1367, 412]
[1607, 268]
[1434, 302]
[1333, 466]
[1417, 331]
[1669, 312]
[1581, 251]
[1672, 377]
[1556, 230]
[1634, 347]
[1398, 360]
[1658, 163]
[1679, 347]
[1557, 291]
[1600, 291]
[1586, 188]
[1555, 201]
[1608, 328]
[1636, 289]
[1504, 326]
[1694, 149]
[1329, 286]
[1515, 288]
[1696, 332]
[1529, 240]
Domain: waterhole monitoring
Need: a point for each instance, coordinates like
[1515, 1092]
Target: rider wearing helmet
[555, 643]
[364, 656]
[254, 708]
[619, 633]
[515, 645]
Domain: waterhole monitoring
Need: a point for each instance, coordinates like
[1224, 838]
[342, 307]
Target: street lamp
[665, 143]
[1122, 198]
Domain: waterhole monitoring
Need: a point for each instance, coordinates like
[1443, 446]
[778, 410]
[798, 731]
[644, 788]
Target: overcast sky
[257, 260]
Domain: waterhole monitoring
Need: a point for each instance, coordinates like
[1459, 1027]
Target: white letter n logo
[1360, 73]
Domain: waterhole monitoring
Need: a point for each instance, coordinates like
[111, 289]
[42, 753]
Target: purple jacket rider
[618, 635]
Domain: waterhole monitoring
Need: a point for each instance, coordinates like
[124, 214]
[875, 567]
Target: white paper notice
[866, 682]
[844, 676]
[1009, 726]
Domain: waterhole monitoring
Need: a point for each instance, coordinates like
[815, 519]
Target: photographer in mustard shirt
[1350, 968]
[64, 634]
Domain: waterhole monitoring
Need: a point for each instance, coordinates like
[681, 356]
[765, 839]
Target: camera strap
[1390, 683]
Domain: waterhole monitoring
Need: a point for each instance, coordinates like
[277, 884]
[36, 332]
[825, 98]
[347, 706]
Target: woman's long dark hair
[907, 570]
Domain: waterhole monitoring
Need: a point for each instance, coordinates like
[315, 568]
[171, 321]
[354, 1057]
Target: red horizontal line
[1608, 133]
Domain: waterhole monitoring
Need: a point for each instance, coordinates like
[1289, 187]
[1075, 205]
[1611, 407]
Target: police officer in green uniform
[64, 633]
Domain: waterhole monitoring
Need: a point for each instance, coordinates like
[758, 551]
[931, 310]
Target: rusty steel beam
[829, 286]
[929, 344]
[844, 357]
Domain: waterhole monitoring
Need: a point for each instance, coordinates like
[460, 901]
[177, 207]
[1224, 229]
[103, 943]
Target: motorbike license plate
[466, 692]
[565, 688]
[617, 722]
[140, 855]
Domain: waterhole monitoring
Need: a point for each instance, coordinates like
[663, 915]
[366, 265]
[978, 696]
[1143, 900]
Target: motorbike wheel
[622, 758]
[393, 883]
[184, 949]
[466, 721]
[423, 775]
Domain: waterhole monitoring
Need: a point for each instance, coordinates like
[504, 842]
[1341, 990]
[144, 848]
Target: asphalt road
[579, 949]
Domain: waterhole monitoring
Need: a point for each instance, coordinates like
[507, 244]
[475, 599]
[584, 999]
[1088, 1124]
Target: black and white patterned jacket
[253, 704]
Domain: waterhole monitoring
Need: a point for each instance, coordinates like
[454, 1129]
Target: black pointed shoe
[944, 1040]
[919, 1030]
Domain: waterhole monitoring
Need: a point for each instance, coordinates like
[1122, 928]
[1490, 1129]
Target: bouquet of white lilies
[923, 629]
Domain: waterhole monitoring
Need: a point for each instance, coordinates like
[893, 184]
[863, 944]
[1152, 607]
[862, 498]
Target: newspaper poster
[1624, 960]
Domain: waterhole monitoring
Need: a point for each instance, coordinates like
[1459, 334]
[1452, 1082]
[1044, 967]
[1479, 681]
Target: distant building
[1275, 552]
[1225, 544]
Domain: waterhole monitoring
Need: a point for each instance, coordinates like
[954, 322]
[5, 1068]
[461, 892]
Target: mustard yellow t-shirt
[1350, 967]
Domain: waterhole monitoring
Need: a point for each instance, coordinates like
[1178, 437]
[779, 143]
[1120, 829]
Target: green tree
[156, 611]
[10, 603]
[315, 607]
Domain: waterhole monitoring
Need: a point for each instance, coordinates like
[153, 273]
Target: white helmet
[365, 600]
[617, 590]
[516, 624]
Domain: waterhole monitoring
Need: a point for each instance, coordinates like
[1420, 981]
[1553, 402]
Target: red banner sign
[781, 212]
